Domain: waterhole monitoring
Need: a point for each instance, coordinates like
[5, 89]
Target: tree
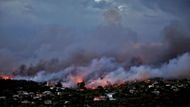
[81, 85]
[59, 84]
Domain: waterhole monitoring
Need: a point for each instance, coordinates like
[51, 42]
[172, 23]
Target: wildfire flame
[77, 79]
[98, 82]
[108, 72]
[6, 77]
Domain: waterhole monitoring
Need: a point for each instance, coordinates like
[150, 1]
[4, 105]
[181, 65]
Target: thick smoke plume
[97, 41]
[106, 71]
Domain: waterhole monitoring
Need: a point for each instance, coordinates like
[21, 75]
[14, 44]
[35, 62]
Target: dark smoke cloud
[106, 70]
[58, 34]
[177, 37]
[113, 16]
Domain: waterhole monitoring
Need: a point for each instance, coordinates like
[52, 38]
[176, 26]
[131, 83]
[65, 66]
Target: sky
[76, 31]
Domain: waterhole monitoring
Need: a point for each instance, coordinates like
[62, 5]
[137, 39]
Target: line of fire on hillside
[6, 77]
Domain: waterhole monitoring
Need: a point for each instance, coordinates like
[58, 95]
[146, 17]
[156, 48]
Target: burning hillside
[87, 46]
[6, 77]
[105, 71]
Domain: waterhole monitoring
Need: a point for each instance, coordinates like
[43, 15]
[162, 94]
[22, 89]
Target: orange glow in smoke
[98, 82]
[77, 79]
[6, 77]
[102, 82]
[144, 76]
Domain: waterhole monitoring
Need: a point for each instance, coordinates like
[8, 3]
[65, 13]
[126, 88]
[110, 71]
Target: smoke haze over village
[122, 38]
